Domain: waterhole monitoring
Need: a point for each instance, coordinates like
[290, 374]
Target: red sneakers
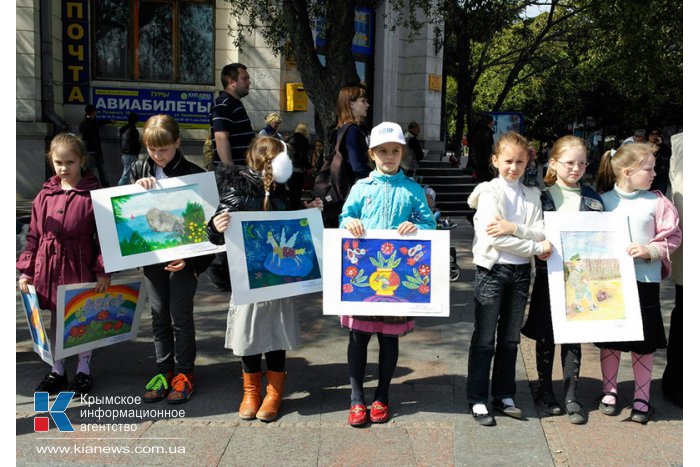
[379, 412]
[358, 415]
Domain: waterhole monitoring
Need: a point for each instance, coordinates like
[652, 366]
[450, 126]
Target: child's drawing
[279, 252]
[274, 254]
[40, 339]
[378, 270]
[592, 277]
[159, 219]
[92, 320]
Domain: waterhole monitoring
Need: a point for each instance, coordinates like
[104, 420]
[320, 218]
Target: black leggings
[570, 362]
[357, 362]
[275, 361]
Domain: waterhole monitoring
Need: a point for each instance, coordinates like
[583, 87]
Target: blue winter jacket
[385, 201]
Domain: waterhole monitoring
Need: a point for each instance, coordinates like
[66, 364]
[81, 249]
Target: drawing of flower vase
[384, 281]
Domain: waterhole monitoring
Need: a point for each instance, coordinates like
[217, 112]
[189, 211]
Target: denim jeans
[500, 295]
[127, 162]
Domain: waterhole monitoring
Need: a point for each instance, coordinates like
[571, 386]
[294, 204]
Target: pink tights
[641, 366]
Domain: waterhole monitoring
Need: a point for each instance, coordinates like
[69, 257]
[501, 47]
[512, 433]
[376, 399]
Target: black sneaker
[510, 410]
[82, 383]
[52, 383]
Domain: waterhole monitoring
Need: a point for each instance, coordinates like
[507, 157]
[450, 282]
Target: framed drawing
[40, 338]
[138, 227]
[592, 283]
[386, 274]
[274, 254]
[88, 320]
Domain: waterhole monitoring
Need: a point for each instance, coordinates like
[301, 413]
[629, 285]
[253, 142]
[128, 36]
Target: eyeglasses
[570, 165]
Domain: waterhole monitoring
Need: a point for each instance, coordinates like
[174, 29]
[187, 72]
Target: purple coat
[62, 246]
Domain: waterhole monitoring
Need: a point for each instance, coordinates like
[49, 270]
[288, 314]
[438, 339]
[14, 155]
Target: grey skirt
[262, 327]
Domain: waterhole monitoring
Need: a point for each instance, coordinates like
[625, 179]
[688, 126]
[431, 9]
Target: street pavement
[429, 424]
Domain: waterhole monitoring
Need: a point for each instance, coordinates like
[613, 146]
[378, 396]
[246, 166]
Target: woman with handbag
[349, 162]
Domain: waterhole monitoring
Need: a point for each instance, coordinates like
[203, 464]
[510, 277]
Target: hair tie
[267, 193]
[612, 153]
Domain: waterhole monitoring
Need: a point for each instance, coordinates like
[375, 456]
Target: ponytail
[606, 175]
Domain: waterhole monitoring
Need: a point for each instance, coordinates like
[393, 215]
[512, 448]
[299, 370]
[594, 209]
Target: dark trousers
[357, 363]
[672, 381]
[96, 165]
[500, 295]
[570, 363]
[171, 296]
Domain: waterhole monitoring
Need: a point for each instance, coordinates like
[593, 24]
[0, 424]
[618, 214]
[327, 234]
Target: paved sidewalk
[429, 425]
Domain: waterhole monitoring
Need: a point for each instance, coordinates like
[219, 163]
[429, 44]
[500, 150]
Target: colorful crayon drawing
[279, 252]
[40, 339]
[92, 320]
[380, 270]
[159, 219]
[592, 277]
[138, 227]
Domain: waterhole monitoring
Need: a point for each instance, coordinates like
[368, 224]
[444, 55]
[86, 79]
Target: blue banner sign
[189, 108]
[363, 39]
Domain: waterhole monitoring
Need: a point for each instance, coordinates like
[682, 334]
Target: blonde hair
[562, 145]
[612, 163]
[160, 130]
[72, 142]
[273, 117]
[346, 95]
[303, 129]
[261, 151]
[511, 138]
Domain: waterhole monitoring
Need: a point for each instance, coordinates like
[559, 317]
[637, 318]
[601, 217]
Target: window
[154, 40]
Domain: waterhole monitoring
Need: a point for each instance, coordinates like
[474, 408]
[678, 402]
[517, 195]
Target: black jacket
[241, 189]
[130, 140]
[300, 151]
[177, 167]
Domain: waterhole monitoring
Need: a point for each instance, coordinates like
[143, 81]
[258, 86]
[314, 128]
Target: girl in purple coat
[62, 246]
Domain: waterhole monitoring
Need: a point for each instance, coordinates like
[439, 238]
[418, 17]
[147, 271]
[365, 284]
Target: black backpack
[334, 180]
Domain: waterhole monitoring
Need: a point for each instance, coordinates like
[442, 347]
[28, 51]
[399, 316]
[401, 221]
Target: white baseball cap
[386, 132]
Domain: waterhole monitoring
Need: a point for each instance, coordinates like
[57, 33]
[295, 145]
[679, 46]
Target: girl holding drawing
[508, 231]
[171, 286]
[270, 327]
[625, 177]
[566, 192]
[397, 202]
[62, 247]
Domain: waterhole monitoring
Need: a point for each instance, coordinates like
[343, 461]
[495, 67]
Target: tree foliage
[619, 62]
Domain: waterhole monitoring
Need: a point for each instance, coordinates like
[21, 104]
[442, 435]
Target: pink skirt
[370, 327]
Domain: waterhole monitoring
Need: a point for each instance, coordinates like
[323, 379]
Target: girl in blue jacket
[387, 199]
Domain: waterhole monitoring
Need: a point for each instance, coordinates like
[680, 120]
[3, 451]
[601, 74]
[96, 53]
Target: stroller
[455, 271]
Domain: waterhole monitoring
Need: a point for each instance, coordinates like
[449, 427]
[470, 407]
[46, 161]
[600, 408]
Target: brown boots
[251, 395]
[250, 405]
[273, 398]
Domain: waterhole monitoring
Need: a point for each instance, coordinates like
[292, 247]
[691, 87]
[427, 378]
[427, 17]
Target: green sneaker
[158, 387]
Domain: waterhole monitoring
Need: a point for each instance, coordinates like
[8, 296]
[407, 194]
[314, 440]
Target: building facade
[165, 56]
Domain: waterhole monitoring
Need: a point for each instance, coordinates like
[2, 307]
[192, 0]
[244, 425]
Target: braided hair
[259, 157]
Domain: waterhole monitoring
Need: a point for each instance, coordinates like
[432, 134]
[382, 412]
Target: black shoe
[52, 383]
[510, 410]
[608, 409]
[81, 384]
[482, 419]
[640, 416]
[548, 404]
[575, 411]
